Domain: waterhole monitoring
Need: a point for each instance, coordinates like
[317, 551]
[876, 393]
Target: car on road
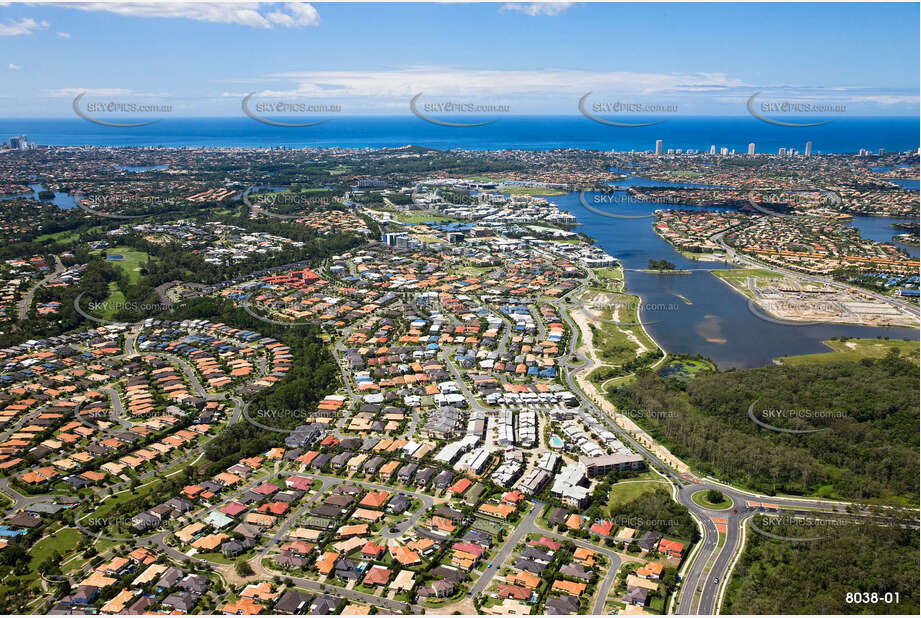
[716, 580]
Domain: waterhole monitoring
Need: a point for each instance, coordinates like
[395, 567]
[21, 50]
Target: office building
[713, 149]
[658, 146]
[19, 142]
[751, 148]
[395, 239]
[808, 149]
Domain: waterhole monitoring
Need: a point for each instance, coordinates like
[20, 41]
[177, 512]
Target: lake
[701, 314]
[64, 201]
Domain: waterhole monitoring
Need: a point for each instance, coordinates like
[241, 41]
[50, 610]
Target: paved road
[427, 501]
[605, 587]
[697, 571]
[292, 519]
[355, 595]
[26, 301]
[523, 528]
[751, 262]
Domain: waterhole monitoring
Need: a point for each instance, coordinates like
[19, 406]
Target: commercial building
[599, 466]
[568, 486]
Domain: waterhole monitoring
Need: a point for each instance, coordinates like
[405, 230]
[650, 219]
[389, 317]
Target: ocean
[709, 318]
[843, 135]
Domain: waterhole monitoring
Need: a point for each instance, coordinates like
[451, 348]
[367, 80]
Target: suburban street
[26, 303]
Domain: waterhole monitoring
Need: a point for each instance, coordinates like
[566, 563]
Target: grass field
[612, 345]
[422, 217]
[131, 262]
[65, 236]
[516, 190]
[113, 303]
[856, 349]
[738, 277]
[611, 342]
[625, 491]
[610, 274]
[702, 257]
[63, 541]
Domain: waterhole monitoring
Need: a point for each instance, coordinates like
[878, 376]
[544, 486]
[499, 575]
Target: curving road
[26, 301]
[698, 570]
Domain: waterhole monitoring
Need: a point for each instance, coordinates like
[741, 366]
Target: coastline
[803, 321]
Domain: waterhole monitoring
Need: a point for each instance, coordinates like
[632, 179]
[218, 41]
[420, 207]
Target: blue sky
[203, 58]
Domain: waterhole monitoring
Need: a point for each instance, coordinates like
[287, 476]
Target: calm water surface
[697, 313]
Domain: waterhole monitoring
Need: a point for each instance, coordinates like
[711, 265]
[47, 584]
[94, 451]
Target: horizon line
[484, 115]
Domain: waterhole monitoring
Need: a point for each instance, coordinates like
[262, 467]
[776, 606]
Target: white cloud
[252, 14]
[24, 26]
[883, 99]
[492, 83]
[98, 92]
[14, 67]
[299, 14]
[535, 9]
[64, 35]
[540, 91]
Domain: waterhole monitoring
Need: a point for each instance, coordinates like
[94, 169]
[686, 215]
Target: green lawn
[516, 190]
[626, 491]
[63, 236]
[614, 274]
[113, 303]
[854, 350]
[612, 345]
[125, 496]
[422, 217]
[731, 274]
[700, 498]
[131, 262]
[66, 236]
[63, 541]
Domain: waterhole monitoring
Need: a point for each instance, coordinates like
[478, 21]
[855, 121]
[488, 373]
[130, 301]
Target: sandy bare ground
[582, 318]
[593, 308]
[628, 425]
[464, 606]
